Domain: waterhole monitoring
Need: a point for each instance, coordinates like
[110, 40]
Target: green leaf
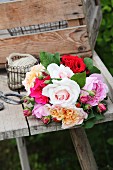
[95, 70]
[99, 117]
[89, 124]
[89, 63]
[80, 78]
[48, 58]
[91, 115]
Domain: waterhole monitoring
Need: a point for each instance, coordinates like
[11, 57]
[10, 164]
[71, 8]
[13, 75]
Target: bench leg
[23, 153]
[83, 149]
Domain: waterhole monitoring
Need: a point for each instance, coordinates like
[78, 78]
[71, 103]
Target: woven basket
[17, 66]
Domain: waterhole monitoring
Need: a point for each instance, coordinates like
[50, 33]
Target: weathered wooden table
[13, 124]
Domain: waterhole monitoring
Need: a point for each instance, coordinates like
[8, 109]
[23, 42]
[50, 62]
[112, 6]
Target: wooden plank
[94, 25]
[89, 7]
[69, 40]
[24, 13]
[109, 113]
[76, 22]
[92, 10]
[83, 149]
[108, 77]
[21, 145]
[37, 126]
[73, 23]
[12, 121]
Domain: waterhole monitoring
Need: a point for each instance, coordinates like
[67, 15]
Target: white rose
[61, 71]
[64, 92]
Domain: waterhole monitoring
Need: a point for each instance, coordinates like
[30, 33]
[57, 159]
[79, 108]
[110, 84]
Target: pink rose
[101, 107]
[40, 110]
[96, 86]
[36, 91]
[83, 99]
[27, 112]
[46, 119]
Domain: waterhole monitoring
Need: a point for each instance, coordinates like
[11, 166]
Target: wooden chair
[29, 27]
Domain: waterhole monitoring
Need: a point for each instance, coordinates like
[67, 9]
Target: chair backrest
[47, 25]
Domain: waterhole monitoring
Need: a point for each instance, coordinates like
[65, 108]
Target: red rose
[75, 63]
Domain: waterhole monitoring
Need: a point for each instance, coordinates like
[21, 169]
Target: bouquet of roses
[66, 89]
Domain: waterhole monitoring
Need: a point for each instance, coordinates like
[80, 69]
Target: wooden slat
[69, 40]
[24, 13]
[83, 149]
[93, 15]
[89, 7]
[12, 122]
[21, 145]
[73, 23]
[109, 113]
[94, 25]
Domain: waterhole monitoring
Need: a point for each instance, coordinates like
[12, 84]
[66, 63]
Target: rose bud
[46, 119]
[32, 99]
[27, 112]
[101, 108]
[56, 120]
[83, 99]
[92, 93]
[47, 81]
[40, 77]
[87, 71]
[78, 105]
[87, 107]
[26, 99]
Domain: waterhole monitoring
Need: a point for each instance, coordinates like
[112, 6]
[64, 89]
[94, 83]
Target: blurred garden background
[55, 150]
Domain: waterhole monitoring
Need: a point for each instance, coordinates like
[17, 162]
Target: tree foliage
[104, 45]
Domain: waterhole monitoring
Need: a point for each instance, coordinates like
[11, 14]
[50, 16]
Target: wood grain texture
[93, 16]
[12, 121]
[83, 149]
[21, 145]
[73, 23]
[89, 7]
[94, 26]
[69, 40]
[24, 13]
